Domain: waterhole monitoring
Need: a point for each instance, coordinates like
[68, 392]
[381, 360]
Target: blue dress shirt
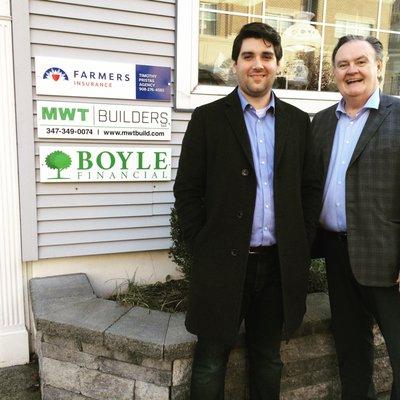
[348, 131]
[261, 130]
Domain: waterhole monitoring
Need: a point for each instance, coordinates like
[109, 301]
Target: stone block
[60, 341]
[136, 372]
[100, 386]
[65, 354]
[126, 356]
[97, 350]
[181, 392]
[53, 287]
[383, 374]
[317, 317]
[182, 370]
[48, 307]
[179, 343]
[380, 350]
[235, 377]
[59, 374]
[313, 364]
[321, 391]
[140, 331]
[51, 393]
[157, 364]
[147, 391]
[307, 347]
[235, 393]
[378, 338]
[308, 378]
[85, 320]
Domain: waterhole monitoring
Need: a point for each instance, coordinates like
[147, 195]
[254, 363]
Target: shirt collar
[372, 102]
[246, 105]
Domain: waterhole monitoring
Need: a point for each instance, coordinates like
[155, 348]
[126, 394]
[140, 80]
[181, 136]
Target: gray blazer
[372, 191]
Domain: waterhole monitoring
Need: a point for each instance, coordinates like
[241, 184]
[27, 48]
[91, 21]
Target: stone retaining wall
[91, 348]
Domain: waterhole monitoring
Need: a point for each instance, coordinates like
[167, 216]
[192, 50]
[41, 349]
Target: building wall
[114, 232]
[81, 219]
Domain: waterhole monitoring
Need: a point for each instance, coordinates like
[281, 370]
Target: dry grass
[168, 296]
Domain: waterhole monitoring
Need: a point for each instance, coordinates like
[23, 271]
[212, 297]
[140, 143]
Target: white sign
[89, 78]
[104, 164]
[62, 120]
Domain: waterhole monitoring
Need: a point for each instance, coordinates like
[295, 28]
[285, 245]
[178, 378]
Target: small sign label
[89, 78]
[104, 164]
[63, 120]
[153, 83]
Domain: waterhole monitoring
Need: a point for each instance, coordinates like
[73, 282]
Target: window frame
[189, 94]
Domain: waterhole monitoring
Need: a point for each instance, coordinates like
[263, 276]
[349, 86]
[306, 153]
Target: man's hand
[398, 281]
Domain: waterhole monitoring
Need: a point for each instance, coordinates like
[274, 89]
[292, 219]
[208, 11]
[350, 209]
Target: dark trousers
[354, 308]
[262, 311]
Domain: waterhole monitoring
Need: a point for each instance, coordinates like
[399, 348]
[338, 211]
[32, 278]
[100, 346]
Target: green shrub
[317, 278]
[178, 251]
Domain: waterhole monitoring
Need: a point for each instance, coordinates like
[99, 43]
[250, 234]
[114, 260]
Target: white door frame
[14, 348]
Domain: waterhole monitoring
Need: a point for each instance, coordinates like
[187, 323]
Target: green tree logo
[58, 160]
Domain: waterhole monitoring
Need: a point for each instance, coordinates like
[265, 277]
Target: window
[343, 28]
[208, 20]
[309, 31]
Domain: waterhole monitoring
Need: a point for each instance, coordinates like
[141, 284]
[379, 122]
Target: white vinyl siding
[98, 218]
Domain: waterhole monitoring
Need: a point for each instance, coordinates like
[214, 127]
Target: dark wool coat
[215, 192]
[372, 191]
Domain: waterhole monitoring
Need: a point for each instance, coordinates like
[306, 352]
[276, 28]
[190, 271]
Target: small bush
[317, 278]
[178, 251]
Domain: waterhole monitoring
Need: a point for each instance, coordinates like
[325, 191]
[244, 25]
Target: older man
[360, 219]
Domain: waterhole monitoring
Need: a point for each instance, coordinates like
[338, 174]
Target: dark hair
[257, 30]
[374, 42]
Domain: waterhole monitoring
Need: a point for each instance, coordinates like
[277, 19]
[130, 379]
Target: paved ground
[20, 382]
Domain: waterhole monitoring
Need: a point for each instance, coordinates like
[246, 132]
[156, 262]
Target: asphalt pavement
[20, 382]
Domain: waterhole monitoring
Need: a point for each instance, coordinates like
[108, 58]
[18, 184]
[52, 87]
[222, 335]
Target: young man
[360, 142]
[247, 205]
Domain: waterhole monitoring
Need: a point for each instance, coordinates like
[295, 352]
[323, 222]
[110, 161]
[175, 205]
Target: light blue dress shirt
[261, 130]
[348, 131]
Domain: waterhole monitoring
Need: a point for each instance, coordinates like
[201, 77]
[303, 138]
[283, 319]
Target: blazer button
[234, 252]
[239, 214]
[245, 172]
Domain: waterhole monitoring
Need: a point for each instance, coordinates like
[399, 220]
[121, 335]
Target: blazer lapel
[328, 134]
[374, 121]
[234, 113]
[282, 123]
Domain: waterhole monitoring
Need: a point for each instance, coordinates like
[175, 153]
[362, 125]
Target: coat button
[245, 172]
[234, 252]
[239, 214]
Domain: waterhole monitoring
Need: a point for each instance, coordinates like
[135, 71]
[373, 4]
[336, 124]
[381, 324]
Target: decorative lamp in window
[301, 36]
[299, 41]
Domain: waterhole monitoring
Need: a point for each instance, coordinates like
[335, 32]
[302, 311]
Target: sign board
[63, 120]
[104, 164]
[89, 78]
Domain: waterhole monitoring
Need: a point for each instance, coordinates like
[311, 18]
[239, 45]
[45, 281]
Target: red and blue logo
[55, 74]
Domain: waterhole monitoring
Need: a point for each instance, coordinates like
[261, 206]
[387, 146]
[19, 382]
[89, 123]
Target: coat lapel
[328, 135]
[234, 113]
[374, 121]
[282, 123]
